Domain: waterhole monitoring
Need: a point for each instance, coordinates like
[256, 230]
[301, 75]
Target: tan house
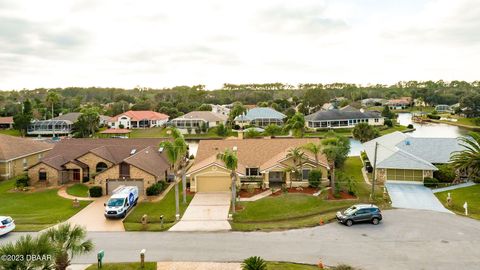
[261, 162]
[107, 162]
[17, 154]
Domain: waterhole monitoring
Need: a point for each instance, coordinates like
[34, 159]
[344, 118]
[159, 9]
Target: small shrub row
[95, 191]
[433, 116]
[22, 181]
[430, 182]
[156, 188]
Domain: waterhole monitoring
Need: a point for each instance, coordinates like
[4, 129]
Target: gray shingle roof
[340, 115]
[434, 150]
[257, 113]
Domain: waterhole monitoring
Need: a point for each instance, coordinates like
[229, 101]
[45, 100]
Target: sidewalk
[468, 184]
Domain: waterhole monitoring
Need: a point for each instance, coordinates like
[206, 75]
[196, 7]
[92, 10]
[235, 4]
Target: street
[406, 239]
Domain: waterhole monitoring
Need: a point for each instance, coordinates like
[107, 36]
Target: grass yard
[154, 210]
[78, 190]
[299, 210]
[11, 132]
[348, 131]
[471, 195]
[34, 211]
[124, 266]
[392, 129]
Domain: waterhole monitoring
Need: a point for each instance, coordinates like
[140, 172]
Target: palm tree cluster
[468, 160]
[53, 249]
[230, 159]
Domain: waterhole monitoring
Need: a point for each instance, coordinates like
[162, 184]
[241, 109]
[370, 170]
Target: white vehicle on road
[6, 225]
[122, 200]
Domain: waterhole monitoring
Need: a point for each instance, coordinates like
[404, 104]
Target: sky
[156, 44]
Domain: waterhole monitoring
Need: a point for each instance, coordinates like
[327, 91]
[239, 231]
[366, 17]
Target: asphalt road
[406, 239]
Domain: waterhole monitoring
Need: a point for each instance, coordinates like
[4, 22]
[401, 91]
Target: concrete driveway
[413, 196]
[206, 212]
[91, 217]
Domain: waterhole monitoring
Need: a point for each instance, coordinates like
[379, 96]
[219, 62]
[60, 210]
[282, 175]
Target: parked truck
[121, 201]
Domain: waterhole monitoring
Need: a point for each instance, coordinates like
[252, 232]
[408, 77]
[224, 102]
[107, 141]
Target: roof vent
[133, 151]
[160, 149]
[407, 142]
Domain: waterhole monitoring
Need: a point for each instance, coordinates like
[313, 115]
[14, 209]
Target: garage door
[404, 175]
[112, 184]
[213, 183]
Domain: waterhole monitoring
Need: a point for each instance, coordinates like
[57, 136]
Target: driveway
[206, 212]
[413, 196]
[91, 217]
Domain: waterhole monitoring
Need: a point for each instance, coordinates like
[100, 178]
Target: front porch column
[287, 178]
[266, 182]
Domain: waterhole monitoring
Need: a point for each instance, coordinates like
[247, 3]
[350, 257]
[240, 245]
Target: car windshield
[6, 221]
[350, 210]
[115, 202]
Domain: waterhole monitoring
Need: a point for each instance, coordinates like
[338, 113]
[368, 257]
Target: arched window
[101, 166]
[42, 175]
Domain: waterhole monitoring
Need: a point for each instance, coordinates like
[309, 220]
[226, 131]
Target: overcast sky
[165, 43]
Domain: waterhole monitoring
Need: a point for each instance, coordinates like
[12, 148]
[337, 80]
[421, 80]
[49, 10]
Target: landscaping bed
[342, 195]
[303, 190]
[245, 193]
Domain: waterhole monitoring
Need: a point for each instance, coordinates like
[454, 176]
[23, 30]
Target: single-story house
[260, 117]
[107, 162]
[197, 119]
[350, 108]
[221, 109]
[73, 117]
[261, 163]
[342, 119]
[401, 157]
[398, 104]
[367, 102]
[17, 154]
[443, 108]
[6, 122]
[138, 119]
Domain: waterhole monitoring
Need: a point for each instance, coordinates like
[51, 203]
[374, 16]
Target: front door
[276, 177]
[76, 175]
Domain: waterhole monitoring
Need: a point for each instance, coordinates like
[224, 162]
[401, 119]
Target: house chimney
[240, 134]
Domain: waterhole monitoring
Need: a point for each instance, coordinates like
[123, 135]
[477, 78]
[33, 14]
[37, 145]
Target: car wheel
[375, 221]
[349, 222]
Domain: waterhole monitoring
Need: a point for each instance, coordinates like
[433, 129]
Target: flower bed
[342, 196]
[250, 193]
[303, 190]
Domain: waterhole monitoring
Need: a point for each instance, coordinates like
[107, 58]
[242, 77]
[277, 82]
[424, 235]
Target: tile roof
[260, 153]
[14, 147]
[341, 115]
[261, 112]
[205, 115]
[6, 120]
[141, 115]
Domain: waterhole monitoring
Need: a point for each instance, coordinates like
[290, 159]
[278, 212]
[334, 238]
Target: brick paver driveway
[206, 212]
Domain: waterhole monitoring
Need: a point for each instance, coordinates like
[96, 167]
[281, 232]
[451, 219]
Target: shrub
[430, 182]
[342, 267]
[363, 155]
[254, 263]
[314, 178]
[222, 130]
[121, 126]
[189, 130]
[191, 156]
[22, 181]
[432, 116]
[95, 191]
[155, 189]
[445, 173]
[388, 122]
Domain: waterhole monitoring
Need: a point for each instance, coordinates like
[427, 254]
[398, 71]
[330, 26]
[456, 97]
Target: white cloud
[151, 43]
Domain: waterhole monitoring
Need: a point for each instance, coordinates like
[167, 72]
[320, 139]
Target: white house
[197, 119]
[220, 109]
[342, 119]
[138, 119]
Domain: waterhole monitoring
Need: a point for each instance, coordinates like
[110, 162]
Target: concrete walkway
[206, 212]
[413, 196]
[198, 266]
[468, 184]
[62, 192]
[259, 196]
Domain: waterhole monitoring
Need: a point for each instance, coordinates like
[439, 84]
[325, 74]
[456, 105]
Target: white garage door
[112, 184]
[213, 183]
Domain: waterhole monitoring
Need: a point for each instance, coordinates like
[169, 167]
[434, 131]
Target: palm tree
[254, 263]
[68, 241]
[468, 160]
[52, 99]
[230, 159]
[297, 157]
[313, 148]
[297, 124]
[175, 152]
[331, 150]
[27, 245]
[364, 132]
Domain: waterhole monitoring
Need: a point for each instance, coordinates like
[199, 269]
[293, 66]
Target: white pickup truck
[122, 200]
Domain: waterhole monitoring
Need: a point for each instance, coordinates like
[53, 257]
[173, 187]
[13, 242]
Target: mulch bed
[343, 196]
[303, 190]
[246, 194]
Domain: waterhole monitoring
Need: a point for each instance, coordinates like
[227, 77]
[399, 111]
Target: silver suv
[360, 213]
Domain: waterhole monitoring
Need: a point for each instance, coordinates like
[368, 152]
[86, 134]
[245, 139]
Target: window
[101, 166]
[25, 163]
[305, 174]
[376, 120]
[252, 172]
[42, 175]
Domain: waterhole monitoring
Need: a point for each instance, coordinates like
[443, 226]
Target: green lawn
[348, 131]
[467, 121]
[35, 211]
[11, 132]
[298, 210]
[393, 129]
[78, 190]
[162, 133]
[290, 266]
[154, 210]
[471, 195]
[124, 266]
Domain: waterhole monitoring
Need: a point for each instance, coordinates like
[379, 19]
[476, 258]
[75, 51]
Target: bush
[410, 126]
[314, 178]
[121, 126]
[432, 116]
[445, 173]
[430, 182]
[95, 191]
[363, 155]
[156, 188]
[22, 181]
[388, 122]
[254, 263]
[222, 130]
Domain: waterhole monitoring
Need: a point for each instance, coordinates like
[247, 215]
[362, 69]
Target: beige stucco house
[104, 162]
[17, 154]
[261, 162]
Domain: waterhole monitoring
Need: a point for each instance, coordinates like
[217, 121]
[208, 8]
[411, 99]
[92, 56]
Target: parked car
[7, 224]
[360, 213]
[123, 199]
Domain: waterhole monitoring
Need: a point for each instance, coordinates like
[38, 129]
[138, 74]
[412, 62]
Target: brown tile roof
[114, 150]
[261, 153]
[6, 120]
[150, 160]
[14, 147]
